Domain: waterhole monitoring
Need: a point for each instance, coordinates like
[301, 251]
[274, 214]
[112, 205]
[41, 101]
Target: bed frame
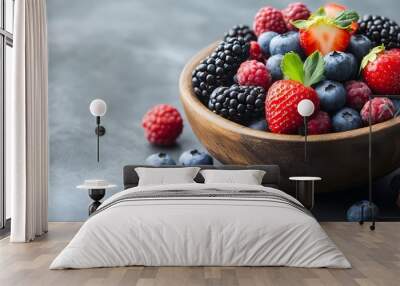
[271, 177]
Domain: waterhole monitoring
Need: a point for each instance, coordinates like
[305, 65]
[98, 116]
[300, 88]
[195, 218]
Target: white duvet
[200, 231]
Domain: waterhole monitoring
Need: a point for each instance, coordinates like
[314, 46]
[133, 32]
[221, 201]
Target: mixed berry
[257, 76]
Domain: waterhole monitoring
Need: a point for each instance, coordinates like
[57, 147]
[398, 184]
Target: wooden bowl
[341, 159]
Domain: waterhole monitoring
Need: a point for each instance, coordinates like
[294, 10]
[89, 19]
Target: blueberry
[340, 66]
[396, 103]
[274, 67]
[356, 67]
[362, 210]
[195, 157]
[359, 46]
[332, 95]
[285, 43]
[260, 124]
[264, 39]
[346, 119]
[160, 159]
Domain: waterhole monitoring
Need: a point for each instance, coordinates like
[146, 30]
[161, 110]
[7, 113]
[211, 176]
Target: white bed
[249, 226]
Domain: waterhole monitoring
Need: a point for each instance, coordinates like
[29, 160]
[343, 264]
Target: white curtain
[26, 127]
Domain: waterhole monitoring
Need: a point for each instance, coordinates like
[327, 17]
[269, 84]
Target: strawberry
[381, 70]
[325, 34]
[284, 95]
[332, 10]
[324, 38]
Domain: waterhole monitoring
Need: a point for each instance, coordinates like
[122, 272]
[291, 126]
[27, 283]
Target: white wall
[8, 84]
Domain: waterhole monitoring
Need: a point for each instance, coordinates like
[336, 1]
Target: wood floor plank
[375, 258]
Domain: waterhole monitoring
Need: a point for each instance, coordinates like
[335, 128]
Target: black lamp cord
[98, 137]
[372, 226]
[305, 139]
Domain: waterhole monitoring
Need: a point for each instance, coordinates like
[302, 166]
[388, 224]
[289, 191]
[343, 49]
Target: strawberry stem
[346, 18]
[372, 55]
[343, 21]
[319, 12]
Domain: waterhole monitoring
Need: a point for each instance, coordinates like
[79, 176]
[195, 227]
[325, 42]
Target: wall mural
[298, 86]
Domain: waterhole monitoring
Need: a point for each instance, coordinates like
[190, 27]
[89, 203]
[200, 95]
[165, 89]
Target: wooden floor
[375, 257]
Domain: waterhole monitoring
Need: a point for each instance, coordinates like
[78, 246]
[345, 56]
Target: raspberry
[319, 124]
[162, 124]
[255, 51]
[382, 109]
[295, 11]
[269, 19]
[358, 94]
[253, 73]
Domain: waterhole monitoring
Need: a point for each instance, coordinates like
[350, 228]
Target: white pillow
[247, 177]
[164, 176]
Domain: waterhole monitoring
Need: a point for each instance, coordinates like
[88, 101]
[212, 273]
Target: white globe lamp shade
[305, 107]
[98, 107]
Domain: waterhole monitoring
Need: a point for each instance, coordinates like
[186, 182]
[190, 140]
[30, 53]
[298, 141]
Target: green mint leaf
[372, 55]
[313, 69]
[292, 67]
[346, 18]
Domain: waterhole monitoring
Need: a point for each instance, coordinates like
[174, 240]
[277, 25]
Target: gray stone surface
[129, 53]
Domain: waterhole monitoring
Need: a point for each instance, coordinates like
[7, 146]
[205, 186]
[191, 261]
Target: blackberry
[380, 30]
[243, 31]
[238, 103]
[219, 68]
